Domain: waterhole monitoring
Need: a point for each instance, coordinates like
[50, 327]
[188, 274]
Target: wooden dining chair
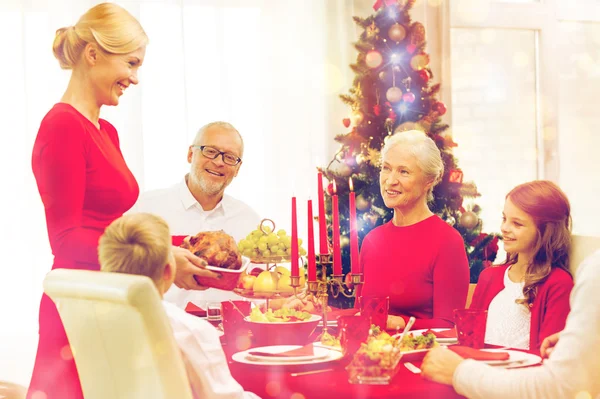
[120, 336]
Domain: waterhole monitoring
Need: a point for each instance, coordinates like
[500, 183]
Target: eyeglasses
[213, 153]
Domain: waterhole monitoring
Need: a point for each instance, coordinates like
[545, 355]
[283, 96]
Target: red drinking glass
[470, 327]
[376, 308]
[353, 330]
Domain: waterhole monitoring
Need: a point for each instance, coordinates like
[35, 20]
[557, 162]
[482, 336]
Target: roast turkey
[216, 247]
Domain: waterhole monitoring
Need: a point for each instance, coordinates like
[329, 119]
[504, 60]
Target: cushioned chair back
[120, 336]
[581, 248]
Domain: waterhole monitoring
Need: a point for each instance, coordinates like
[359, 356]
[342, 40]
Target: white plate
[319, 353]
[440, 340]
[242, 357]
[516, 359]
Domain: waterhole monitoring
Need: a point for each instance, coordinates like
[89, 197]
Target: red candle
[294, 253]
[323, 246]
[354, 262]
[312, 264]
[337, 254]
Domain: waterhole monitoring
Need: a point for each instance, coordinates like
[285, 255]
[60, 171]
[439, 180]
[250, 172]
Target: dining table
[328, 380]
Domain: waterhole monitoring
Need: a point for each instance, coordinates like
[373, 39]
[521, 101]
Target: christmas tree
[392, 92]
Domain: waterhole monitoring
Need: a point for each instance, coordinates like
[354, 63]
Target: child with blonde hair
[141, 244]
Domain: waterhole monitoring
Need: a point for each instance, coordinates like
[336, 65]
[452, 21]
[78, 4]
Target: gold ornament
[357, 117]
[370, 218]
[417, 34]
[393, 94]
[362, 204]
[360, 158]
[344, 241]
[397, 32]
[419, 62]
[468, 220]
[373, 59]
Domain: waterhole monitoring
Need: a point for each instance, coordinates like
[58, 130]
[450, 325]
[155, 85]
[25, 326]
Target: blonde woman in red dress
[82, 177]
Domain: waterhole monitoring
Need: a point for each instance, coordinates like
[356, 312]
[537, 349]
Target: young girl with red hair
[527, 297]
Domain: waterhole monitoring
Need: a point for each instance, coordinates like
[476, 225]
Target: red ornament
[424, 75]
[455, 176]
[391, 115]
[377, 109]
[330, 189]
[439, 107]
[411, 48]
[408, 97]
[346, 122]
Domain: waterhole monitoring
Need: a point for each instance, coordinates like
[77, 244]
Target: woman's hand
[395, 323]
[189, 265]
[440, 364]
[548, 345]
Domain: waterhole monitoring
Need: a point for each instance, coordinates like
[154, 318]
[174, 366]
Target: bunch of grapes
[266, 244]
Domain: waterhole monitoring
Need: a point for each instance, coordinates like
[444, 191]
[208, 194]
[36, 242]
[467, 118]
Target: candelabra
[321, 288]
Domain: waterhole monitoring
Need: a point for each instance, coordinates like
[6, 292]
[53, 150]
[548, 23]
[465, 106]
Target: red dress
[423, 268]
[84, 184]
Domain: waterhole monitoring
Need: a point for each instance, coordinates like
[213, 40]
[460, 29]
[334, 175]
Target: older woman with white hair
[416, 259]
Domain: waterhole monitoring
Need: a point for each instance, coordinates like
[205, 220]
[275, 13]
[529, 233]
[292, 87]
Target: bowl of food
[281, 327]
[376, 361]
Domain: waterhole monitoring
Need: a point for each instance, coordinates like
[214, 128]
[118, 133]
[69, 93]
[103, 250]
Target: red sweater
[423, 268]
[549, 309]
[84, 184]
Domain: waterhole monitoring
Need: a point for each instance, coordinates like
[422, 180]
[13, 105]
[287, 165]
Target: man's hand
[548, 345]
[440, 364]
[189, 265]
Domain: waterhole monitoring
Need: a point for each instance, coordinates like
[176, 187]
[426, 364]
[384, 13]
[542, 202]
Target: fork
[412, 367]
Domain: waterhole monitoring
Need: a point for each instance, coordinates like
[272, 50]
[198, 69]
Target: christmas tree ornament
[397, 32]
[377, 109]
[344, 241]
[417, 34]
[370, 218]
[455, 176]
[423, 75]
[419, 61]
[383, 76]
[373, 59]
[357, 118]
[450, 220]
[411, 48]
[330, 189]
[362, 204]
[408, 97]
[393, 94]
[439, 107]
[346, 122]
[468, 220]
[396, 68]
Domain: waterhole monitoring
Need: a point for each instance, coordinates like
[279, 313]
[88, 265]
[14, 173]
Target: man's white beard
[210, 188]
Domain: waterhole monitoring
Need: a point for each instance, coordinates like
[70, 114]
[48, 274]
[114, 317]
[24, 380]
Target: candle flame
[350, 184]
[334, 187]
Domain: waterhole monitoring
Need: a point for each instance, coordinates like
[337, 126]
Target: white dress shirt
[508, 323]
[185, 216]
[573, 369]
[205, 361]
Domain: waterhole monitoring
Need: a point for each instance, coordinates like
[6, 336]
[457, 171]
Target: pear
[266, 282]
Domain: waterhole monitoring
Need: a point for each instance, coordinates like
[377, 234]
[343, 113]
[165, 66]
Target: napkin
[306, 350]
[442, 334]
[195, 310]
[177, 240]
[476, 354]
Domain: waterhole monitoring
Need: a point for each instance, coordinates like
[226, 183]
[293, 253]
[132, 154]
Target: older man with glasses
[199, 203]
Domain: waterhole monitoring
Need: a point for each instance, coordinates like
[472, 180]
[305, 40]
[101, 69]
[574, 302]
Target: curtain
[272, 68]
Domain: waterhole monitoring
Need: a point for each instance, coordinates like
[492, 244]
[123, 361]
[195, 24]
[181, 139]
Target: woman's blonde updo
[108, 25]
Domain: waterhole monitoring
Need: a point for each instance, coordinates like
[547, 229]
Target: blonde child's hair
[136, 244]
[108, 25]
